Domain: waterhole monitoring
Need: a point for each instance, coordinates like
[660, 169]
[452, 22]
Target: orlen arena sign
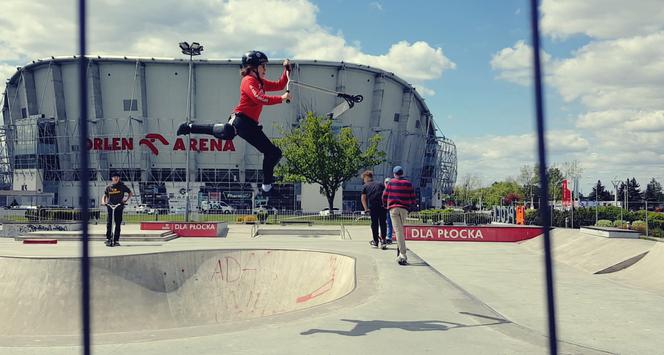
[472, 233]
[156, 143]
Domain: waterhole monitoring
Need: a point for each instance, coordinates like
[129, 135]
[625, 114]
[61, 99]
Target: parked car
[326, 212]
[142, 208]
[177, 210]
[216, 207]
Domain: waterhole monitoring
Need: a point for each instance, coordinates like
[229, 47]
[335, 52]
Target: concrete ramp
[97, 234]
[647, 273]
[149, 292]
[588, 252]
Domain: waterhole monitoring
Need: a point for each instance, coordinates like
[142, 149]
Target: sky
[470, 60]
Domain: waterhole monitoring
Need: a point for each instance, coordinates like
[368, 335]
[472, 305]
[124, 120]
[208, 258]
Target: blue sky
[468, 99]
[471, 60]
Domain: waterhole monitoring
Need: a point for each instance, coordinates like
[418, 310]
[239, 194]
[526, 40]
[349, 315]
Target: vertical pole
[627, 195]
[646, 218]
[541, 149]
[188, 143]
[85, 176]
[596, 207]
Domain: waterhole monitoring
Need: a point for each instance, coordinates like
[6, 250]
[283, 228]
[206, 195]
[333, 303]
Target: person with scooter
[245, 119]
[114, 199]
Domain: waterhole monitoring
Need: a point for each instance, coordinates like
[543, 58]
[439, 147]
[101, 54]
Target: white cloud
[6, 71]
[282, 28]
[498, 157]
[514, 64]
[623, 120]
[376, 5]
[617, 77]
[621, 73]
[603, 153]
[601, 18]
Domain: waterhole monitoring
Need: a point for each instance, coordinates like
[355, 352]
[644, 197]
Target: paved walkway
[454, 298]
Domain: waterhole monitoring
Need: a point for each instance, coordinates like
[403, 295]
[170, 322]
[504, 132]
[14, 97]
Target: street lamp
[191, 50]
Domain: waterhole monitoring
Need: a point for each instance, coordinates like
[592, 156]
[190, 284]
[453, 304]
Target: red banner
[186, 229]
[567, 195]
[508, 233]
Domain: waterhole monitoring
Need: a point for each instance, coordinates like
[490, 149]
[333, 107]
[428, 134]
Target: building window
[126, 174]
[417, 124]
[252, 175]
[130, 105]
[218, 175]
[24, 112]
[396, 116]
[92, 174]
[47, 132]
[162, 175]
[25, 161]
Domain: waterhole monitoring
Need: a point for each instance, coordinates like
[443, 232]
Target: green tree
[653, 191]
[315, 154]
[600, 191]
[633, 191]
[498, 191]
[466, 191]
[529, 179]
[555, 177]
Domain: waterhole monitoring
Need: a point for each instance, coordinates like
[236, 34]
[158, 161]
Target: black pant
[251, 132]
[378, 218]
[118, 221]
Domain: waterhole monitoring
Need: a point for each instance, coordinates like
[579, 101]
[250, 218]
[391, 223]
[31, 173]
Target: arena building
[136, 104]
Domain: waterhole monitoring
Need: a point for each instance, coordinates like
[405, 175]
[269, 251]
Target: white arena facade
[136, 104]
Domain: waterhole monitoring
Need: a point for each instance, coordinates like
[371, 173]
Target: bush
[604, 223]
[657, 232]
[639, 226]
[246, 219]
[620, 224]
[434, 216]
[533, 217]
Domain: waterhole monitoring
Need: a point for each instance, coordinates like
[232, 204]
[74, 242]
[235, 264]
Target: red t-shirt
[252, 95]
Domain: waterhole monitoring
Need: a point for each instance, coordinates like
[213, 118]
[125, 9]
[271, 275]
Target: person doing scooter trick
[245, 119]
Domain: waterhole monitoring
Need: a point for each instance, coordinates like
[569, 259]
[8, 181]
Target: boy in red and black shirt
[399, 198]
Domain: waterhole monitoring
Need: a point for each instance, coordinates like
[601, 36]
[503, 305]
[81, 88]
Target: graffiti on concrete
[18, 229]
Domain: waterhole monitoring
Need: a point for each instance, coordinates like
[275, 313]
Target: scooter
[109, 243]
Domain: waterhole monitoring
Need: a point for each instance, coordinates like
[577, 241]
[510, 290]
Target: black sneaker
[373, 244]
[402, 261]
[184, 128]
[108, 243]
[388, 241]
[116, 244]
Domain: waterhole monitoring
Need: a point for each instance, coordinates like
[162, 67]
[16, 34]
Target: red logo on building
[150, 140]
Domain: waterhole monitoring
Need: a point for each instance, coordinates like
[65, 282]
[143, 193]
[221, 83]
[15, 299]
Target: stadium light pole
[191, 50]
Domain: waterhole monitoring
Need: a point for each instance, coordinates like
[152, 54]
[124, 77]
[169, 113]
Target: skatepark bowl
[169, 290]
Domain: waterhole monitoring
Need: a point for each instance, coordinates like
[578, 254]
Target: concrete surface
[469, 298]
[611, 232]
[589, 252]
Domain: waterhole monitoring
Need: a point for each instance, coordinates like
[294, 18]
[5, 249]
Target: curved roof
[63, 59]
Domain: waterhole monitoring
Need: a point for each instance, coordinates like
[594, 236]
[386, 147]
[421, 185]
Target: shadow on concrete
[362, 327]
[423, 263]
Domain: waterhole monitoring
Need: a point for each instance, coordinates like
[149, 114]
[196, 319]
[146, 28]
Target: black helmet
[254, 58]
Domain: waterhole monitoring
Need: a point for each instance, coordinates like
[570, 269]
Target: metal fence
[99, 215]
[646, 217]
